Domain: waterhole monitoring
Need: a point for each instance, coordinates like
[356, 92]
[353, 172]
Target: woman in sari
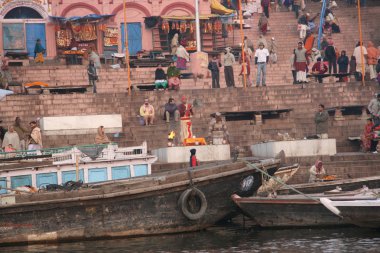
[182, 57]
[367, 136]
[173, 74]
[101, 137]
[39, 51]
[263, 24]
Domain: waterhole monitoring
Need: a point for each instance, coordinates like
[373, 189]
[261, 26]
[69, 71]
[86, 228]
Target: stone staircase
[243, 133]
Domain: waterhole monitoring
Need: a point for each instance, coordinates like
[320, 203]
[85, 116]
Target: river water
[229, 237]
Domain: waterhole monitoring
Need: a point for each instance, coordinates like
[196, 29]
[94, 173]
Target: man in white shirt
[358, 57]
[261, 60]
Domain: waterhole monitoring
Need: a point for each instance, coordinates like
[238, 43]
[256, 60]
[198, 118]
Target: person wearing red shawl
[185, 112]
[317, 172]
[367, 136]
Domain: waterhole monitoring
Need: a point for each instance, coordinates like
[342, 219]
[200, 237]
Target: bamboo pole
[361, 43]
[242, 45]
[126, 47]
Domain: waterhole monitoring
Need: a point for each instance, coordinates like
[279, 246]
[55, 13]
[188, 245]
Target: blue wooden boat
[90, 164]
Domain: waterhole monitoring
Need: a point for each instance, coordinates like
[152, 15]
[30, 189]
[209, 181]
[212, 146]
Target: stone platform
[204, 153]
[84, 124]
[296, 148]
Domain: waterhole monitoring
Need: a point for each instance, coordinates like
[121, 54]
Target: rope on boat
[278, 180]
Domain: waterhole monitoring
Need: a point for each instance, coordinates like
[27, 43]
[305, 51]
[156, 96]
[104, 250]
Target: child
[193, 158]
[9, 148]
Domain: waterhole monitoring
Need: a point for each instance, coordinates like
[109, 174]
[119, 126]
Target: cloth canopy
[77, 19]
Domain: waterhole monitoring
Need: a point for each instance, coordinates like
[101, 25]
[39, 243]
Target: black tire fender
[246, 187]
[184, 199]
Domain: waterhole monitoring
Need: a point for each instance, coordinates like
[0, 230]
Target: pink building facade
[23, 21]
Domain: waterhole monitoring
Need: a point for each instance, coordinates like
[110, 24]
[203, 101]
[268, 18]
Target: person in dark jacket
[265, 4]
[92, 75]
[321, 120]
[343, 62]
[330, 55]
[171, 111]
[214, 66]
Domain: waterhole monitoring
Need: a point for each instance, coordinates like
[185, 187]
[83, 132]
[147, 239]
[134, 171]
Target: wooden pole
[242, 46]
[361, 43]
[126, 47]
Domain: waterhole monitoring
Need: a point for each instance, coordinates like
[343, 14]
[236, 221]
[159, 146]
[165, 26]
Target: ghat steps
[299, 122]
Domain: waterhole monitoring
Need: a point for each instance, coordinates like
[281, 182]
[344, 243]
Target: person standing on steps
[294, 72]
[301, 61]
[228, 62]
[321, 120]
[261, 60]
[373, 55]
[296, 7]
[35, 137]
[343, 62]
[265, 4]
[214, 66]
[358, 57]
[330, 55]
[92, 75]
[39, 51]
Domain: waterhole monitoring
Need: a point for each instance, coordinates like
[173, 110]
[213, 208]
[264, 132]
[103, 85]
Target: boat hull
[346, 185]
[120, 213]
[272, 213]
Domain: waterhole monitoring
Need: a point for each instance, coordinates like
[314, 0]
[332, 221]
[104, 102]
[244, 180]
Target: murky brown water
[229, 238]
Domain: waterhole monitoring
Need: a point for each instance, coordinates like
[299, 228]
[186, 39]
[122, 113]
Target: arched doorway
[22, 26]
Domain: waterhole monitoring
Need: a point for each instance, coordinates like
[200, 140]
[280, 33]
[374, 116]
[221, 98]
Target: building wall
[136, 11]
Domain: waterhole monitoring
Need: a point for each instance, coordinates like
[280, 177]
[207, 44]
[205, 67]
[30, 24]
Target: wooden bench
[17, 55]
[345, 110]
[66, 89]
[145, 86]
[256, 116]
[148, 62]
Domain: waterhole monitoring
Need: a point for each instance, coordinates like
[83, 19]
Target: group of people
[330, 60]
[264, 54]
[17, 137]
[182, 112]
[170, 80]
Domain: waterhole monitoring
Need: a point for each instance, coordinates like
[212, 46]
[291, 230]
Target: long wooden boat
[90, 164]
[363, 213]
[176, 201]
[292, 210]
[345, 184]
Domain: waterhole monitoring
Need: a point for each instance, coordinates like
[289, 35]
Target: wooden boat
[345, 184]
[292, 210]
[90, 164]
[171, 202]
[360, 212]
